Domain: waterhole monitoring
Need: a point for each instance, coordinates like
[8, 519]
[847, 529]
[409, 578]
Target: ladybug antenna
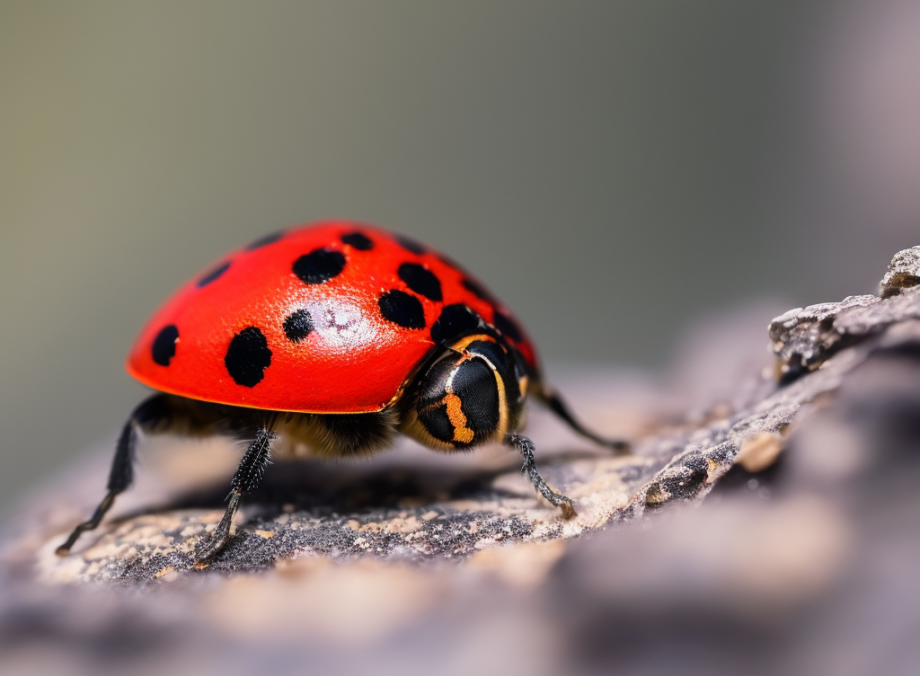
[551, 399]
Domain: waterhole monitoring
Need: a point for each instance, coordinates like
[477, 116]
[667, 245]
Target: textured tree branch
[801, 473]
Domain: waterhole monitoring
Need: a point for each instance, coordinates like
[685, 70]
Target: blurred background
[613, 170]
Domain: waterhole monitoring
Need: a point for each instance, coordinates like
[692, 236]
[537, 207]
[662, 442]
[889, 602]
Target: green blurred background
[611, 169]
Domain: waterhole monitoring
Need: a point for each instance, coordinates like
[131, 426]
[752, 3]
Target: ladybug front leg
[525, 447]
[155, 412]
[246, 479]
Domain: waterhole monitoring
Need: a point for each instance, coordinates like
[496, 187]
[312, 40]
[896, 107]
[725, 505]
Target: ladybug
[333, 337]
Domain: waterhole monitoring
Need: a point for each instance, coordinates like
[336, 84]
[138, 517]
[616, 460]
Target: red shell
[353, 361]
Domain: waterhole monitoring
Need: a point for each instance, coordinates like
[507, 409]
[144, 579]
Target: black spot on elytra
[298, 325]
[402, 308]
[164, 345]
[320, 265]
[507, 326]
[358, 240]
[247, 357]
[265, 240]
[421, 280]
[477, 290]
[410, 245]
[213, 274]
[455, 322]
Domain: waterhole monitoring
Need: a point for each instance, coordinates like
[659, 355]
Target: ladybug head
[470, 392]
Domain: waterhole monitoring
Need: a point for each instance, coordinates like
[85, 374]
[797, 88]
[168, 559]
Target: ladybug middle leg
[246, 479]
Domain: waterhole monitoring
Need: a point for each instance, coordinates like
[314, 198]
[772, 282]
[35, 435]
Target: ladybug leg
[151, 414]
[525, 447]
[247, 477]
[557, 405]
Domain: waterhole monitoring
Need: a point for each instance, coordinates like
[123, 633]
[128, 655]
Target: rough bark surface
[801, 549]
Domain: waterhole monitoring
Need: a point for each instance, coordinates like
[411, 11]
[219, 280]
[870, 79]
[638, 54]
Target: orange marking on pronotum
[457, 419]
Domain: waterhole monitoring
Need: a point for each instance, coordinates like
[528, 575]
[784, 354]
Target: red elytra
[354, 360]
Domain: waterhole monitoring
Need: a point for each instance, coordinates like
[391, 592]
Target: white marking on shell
[342, 326]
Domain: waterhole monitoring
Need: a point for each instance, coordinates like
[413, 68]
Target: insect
[333, 337]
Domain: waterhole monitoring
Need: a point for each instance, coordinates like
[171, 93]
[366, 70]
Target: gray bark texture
[767, 523]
